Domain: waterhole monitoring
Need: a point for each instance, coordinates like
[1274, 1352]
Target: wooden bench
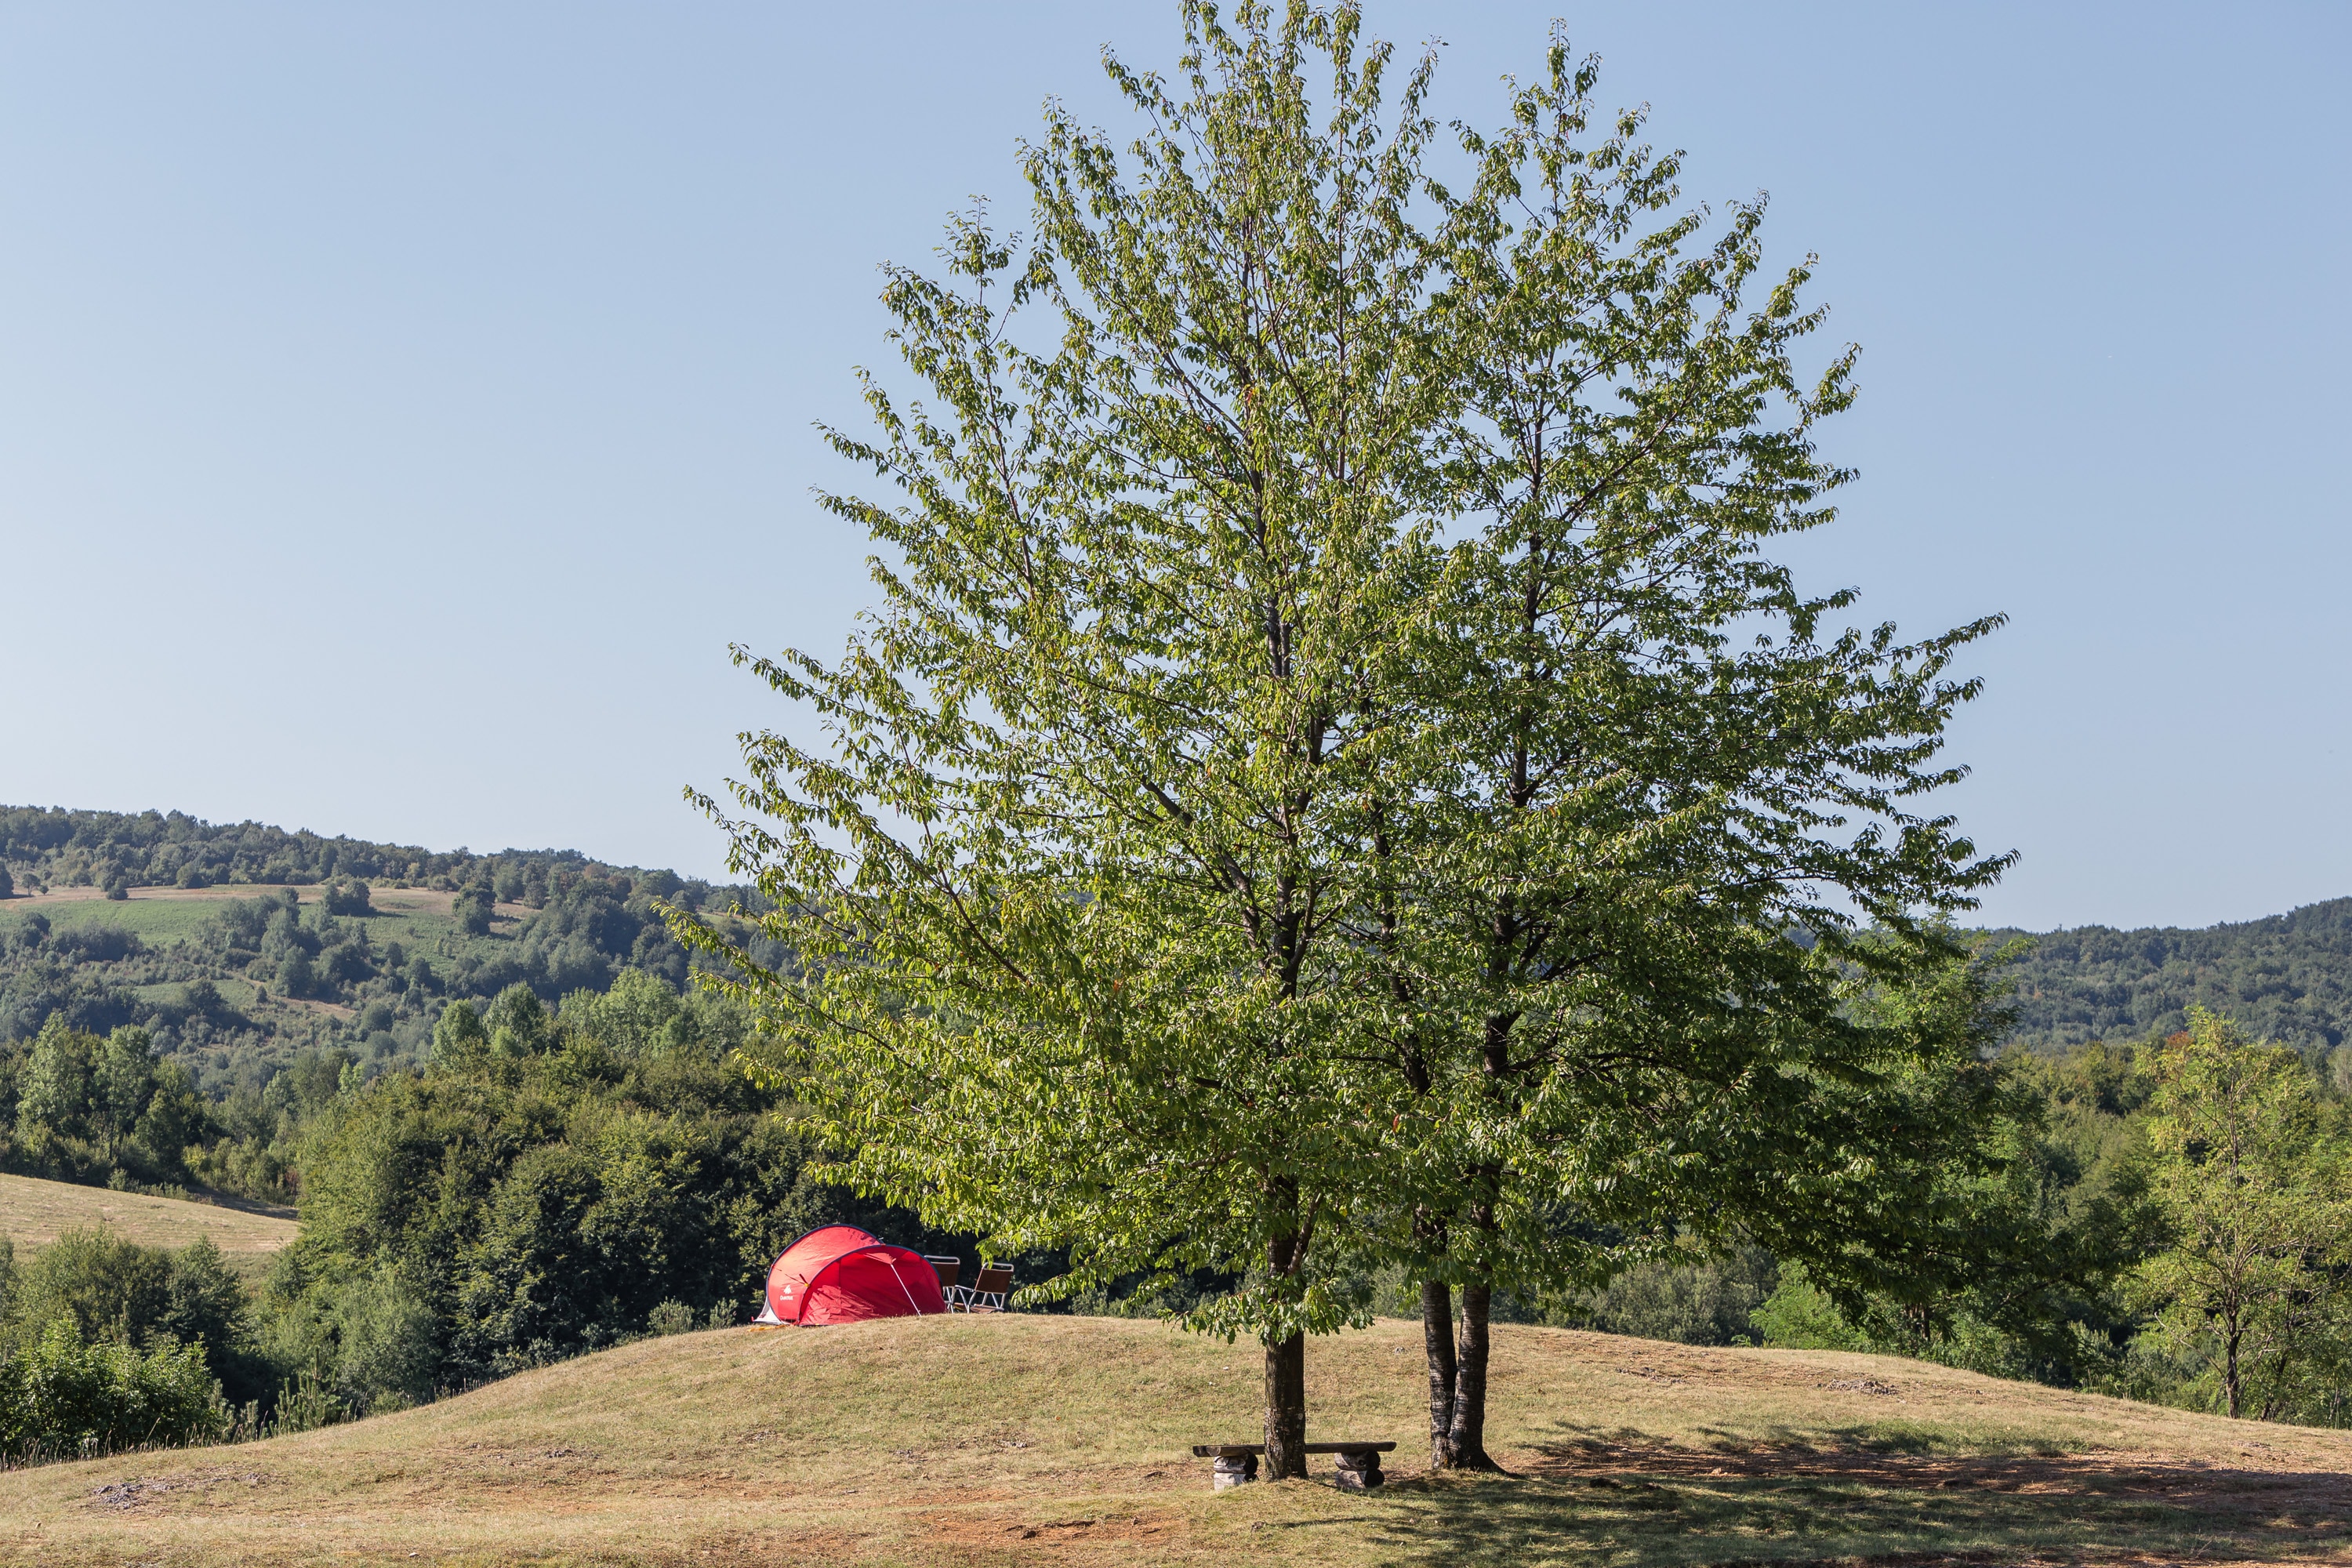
[1359, 1468]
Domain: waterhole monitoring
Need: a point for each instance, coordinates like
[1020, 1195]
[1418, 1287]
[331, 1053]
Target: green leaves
[1332, 772]
[1071, 886]
[2253, 1190]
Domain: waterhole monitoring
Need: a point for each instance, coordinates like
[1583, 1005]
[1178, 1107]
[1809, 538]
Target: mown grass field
[34, 1213]
[1063, 1440]
[163, 915]
[158, 916]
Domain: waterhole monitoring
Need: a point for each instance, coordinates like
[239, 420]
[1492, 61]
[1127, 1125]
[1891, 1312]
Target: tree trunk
[2230, 1387]
[1437, 1340]
[1285, 1409]
[1467, 1437]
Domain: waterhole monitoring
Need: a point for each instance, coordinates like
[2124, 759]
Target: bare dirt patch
[120, 1497]
[1001, 1530]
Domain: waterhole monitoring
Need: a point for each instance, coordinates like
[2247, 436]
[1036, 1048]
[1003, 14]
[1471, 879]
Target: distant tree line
[56, 847]
[2287, 977]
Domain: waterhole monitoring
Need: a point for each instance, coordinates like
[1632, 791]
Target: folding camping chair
[948, 1270]
[986, 1293]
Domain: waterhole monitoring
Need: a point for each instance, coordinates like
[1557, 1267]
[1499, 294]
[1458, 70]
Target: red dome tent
[840, 1274]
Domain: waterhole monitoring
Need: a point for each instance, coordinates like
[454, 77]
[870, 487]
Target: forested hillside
[237, 947]
[2286, 977]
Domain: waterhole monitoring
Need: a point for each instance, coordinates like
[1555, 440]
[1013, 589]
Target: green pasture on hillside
[158, 923]
[421, 926]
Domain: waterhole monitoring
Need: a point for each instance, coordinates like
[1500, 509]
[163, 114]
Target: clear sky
[403, 407]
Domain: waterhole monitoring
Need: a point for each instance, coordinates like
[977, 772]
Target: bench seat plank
[1236, 1450]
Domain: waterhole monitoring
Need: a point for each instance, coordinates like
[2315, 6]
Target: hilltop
[1022, 1439]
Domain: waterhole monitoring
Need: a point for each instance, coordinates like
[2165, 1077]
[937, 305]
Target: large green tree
[1334, 775]
[1073, 889]
[1662, 791]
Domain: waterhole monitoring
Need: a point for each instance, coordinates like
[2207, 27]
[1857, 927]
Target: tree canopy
[1333, 775]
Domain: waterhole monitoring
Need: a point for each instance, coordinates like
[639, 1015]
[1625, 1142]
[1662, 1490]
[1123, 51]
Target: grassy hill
[33, 1213]
[1037, 1439]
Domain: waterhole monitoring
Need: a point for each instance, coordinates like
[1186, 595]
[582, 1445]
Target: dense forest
[2288, 978]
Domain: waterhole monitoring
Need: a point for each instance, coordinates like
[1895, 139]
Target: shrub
[389, 1342]
[65, 1398]
[1799, 1315]
[670, 1317]
[305, 1404]
[345, 896]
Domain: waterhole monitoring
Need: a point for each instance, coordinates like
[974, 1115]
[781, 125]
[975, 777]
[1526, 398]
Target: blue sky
[402, 408]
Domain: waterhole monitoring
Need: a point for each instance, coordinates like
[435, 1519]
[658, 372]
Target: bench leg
[1232, 1471]
[1357, 1473]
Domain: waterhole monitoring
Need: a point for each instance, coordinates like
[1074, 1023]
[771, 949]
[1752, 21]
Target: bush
[389, 1341]
[65, 1398]
[107, 1288]
[1799, 1315]
[346, 896]
[306, 1404]
[670, 1317]
[1714, 1302]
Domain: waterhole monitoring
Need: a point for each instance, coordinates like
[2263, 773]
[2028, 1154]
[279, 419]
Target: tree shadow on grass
[1638, 1506]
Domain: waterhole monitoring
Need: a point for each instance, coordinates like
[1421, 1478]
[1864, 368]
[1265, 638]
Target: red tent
[840, 1274]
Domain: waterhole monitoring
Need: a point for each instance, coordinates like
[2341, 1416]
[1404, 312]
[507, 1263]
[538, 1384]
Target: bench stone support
[1358, 1462]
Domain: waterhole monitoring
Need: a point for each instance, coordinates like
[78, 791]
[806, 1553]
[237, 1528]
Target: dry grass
[33, 1213]
[1061, 1440]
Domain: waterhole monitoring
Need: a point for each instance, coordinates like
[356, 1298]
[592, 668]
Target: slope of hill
[34, 1213]
[2288, 977]
[1016, 1439]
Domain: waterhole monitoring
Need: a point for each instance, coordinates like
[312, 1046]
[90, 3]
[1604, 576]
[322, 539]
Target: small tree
[122, 1080]
[473, 910]
[55, 1091]
[2260, 1227]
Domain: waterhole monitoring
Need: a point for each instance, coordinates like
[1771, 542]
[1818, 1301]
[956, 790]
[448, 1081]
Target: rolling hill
[1054, 1439]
